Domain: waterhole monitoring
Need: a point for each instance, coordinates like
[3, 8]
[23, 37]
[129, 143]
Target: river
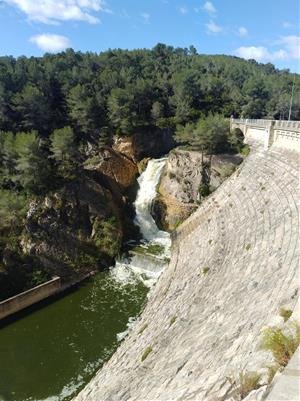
[50, 353]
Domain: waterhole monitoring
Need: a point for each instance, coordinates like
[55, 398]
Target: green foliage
[210, 135]
[13, 207]
[107, 236]
[245, 150]
[65, 153]
[148, 350]
[173, 320]
[205, 269]
[204, 190]
[244, 383]
[281, 344]
[285, 313]
[248, 247]
[143, 328]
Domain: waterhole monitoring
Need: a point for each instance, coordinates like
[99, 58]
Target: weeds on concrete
[148, 350]
[143, 328]
[285, 313]
[243, 384]
[281, 345]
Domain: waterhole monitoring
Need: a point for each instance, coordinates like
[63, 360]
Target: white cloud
[53, 11]
[146, 18]
[289, 49]
[50, 42]
[260, 53]
[292, 45]
[242, 31]
[212, 27]
[183, 10]
[209, 7]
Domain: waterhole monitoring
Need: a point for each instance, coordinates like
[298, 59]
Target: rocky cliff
[179, 186]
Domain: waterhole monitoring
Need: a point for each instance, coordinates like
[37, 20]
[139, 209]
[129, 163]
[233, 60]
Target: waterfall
[143, 264]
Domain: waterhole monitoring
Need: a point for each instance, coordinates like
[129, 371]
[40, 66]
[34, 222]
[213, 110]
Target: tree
[33, 166]
[121, 110]
[64, 152]
[32, 109]
[210, 135]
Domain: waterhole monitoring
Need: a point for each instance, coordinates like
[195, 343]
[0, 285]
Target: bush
[285, 313]
[148, 350]
[244, 384]
[281, 345]
[204, 190]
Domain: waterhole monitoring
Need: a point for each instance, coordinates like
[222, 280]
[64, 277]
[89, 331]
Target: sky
[264, 30]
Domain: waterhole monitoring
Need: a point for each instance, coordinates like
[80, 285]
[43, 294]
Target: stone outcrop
[75, 229]
[179, 186]
[147, 142]
[234, 262]
[115, 166]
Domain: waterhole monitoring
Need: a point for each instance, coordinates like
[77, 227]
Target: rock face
[74, 230]
[147, 142]
[234, 263]
[179, 195]
[116, 167]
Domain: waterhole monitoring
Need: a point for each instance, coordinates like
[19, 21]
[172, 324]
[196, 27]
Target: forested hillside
[119, 90]
[57, 111]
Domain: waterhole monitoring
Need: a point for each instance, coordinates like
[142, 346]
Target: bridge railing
[277, 124]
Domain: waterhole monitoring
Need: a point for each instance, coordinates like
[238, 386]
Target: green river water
[50, 353]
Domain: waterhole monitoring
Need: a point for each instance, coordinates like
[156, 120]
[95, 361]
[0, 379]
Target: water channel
[50, 353]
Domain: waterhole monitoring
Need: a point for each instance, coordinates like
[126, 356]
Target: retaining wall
[30, 297]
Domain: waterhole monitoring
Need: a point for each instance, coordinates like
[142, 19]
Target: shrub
[227, 170]
[143, 328]
[204, 190]
[244, 383]
[148, 350]
[281, 345]
[248, 246]
[173, 320]
[285, 313]
[245, 150]
[205, 269]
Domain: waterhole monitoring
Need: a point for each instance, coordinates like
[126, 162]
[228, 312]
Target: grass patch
[285, 313]
[153, 249]
[245, 150]
[148, 350]
[205, 270]
[281, 345]
[143, 328]
[244, 383]
[177, 224]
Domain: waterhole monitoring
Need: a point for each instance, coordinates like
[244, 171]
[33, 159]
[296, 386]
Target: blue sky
[266, 30]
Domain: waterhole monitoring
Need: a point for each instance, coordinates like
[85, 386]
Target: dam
[234, 264]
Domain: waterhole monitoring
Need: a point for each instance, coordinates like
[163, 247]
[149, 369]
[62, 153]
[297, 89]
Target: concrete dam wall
[234, 263]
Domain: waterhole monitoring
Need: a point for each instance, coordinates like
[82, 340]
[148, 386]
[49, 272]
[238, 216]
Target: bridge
[283, 133]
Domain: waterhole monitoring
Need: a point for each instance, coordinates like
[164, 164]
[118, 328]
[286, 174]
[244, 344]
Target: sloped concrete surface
[234, 263]
[287, 387]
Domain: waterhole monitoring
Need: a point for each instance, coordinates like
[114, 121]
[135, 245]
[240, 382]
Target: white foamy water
[139, 266]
